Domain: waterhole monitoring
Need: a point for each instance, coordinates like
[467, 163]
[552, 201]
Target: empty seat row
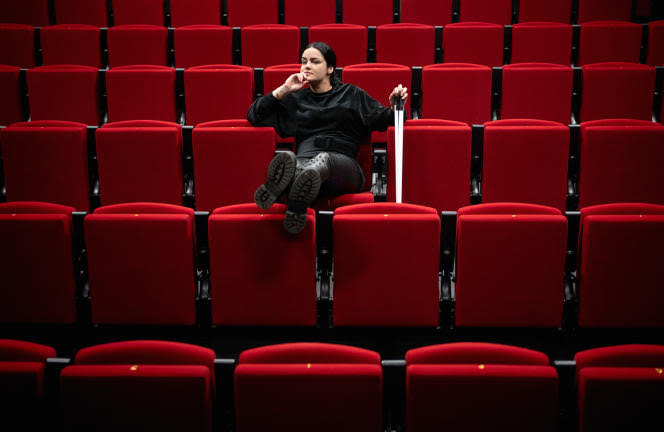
[297, 386]
[266, 45]
[509, 269]
[296, 12]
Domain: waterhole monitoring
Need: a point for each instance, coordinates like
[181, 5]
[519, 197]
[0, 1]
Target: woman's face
[314, 67]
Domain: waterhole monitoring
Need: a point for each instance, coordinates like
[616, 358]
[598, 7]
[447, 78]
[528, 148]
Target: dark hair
[329, 56]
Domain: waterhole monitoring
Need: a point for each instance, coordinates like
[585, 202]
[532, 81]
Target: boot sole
[304, 190]
[279, 174]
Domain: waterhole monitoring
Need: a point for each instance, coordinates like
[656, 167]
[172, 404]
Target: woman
[328, 120]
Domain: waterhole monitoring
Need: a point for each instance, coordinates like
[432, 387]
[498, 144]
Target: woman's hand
[293, 83]
[398, 91]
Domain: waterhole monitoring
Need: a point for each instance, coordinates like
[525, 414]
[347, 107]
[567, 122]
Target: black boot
[305, 190]
[280, 174]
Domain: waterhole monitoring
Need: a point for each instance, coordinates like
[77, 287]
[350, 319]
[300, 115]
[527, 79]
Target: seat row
[326, 387]
[145, 264]
[267, 45]
[450, 91]
[177, 13]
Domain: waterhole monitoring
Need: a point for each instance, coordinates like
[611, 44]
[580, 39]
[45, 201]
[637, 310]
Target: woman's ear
[330, 70]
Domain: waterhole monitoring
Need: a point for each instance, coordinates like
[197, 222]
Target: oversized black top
[336, 120]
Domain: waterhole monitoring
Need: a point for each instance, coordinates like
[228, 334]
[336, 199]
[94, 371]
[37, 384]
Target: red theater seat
[538, 91]
[149, 12]
[626, 236]
[405, 44]
[140, 160]
[46, 161]
[597, 10]
[300, 13]
[552, 10]
[617, 90]
[141, 264]
[137, 44]
[543, 42]
[270, 44]
[436, 164]
[621, 161]
[281, 291]
[609, 41]
[516, 388]
[510, 265]
[188, 12]
[349, 41]
[135, 385]
[75, 44]
[217, 92]
[368, 12]
[229, 163]
[619, 387]
[29, 12]
[242, 13]
[431, 12]
[17, 45]
[141, 92]
[525, 161]
[308, 386]
[10, 91]
[656, 43]
[91, 12]
[457, 91]
[490, 11]
[203, 44]
[38, 283]
[386, 265]
[473, 42]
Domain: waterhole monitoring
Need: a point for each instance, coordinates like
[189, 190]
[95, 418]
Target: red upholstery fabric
[431, 12]
[270, 44]
[242, 13]
[141, 268]
[525, 161]
[405, 44]
[333, 203]
[76, 44]
[275, 76]
[621, 209]
[30, 12]
[368, 12]
[490, 11]
[300, 13]
[140, 161]
[656, 43]
[457, 91]
[621, 161]
[188, 12]
[386, 265]
[203, 44]
[322, 387]
[619, 387]
[473, 42]
[64, 92]
[508, 209]
[609, 41]
[349, 41]
[510, 268]
[22, 351]
[281, 289]
[436, 164]
[149, 12]
[617, 90]
[91, 12]
[216, 92]
[10, 108]
[37, 276]
[542, 42]
[621, 299]
[141, 92]
[46, 161]
[230, 163]
[18, 45]
[475, 353]
[596, 10]
[538, 91]
[552, 10]
[137, 44]
[643, 8]
[378, 80]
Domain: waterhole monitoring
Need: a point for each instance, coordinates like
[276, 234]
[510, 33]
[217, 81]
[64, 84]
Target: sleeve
[375, 115]
[269, 111]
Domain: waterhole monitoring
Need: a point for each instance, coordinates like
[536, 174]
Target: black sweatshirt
[336, 120]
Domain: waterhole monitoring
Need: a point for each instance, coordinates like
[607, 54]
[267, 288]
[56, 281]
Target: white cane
[398, 146]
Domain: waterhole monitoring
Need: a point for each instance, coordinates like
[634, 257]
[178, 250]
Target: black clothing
[334, 121]
[344, 176]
